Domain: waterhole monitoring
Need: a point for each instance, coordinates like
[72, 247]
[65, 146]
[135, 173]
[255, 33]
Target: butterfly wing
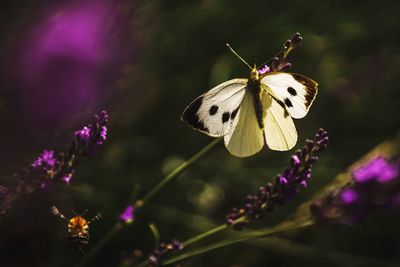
[214, 112]
[279, 130]
[293, 91]
[245, 137]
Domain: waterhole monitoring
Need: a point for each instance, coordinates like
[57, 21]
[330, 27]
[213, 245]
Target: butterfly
[255, 112]
[78, 227]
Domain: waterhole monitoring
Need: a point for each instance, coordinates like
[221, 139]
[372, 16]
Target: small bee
[78, 227]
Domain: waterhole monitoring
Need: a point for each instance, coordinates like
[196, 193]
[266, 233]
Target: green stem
[156, 234]
[237, 239]
[204, 235]
[210, 232]
[197, 238]
[118, 226]
[179, 170]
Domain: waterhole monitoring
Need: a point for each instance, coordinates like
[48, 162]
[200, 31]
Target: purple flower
[286, 185]
[90, 137]
[128, 215]
[282, 180]
[295, 161]
[377, 168]
[83, 134]
[264, 69]
[162, 251]
[349, 196]
[50, 167]
[375, 186]
[103, 133]
[67, 178]
[46, 159]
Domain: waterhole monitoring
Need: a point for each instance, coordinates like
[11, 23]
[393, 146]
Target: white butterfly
[250, 113]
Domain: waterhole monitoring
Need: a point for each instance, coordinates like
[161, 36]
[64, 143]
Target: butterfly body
[254, 112]
[254, 88]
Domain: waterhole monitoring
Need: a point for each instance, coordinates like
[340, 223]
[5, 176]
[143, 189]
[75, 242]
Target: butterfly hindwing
[214, 112]
[294, 91]
[279, 130]
[246, 137]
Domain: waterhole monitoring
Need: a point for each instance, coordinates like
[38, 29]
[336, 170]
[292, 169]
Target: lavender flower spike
[162, 251]
[286, 185]
[375, 186]
[90, 137]
[83, 134]
[50, 167]
[47, 158]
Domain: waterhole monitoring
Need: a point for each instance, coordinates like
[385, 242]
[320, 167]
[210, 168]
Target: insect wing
[213, 113]
[280, 131]
[293, 91]
[57, 212]
[245, 138]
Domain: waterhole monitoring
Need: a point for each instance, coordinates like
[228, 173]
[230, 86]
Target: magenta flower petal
[45, 159]
[378, 169]
[349, 196]
[264, 70]
[128, 215]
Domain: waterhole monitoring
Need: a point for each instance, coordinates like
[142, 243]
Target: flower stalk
[50, 168]
[286, 185]
[128, 215]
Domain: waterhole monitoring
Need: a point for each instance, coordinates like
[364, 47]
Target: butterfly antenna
[236, 54]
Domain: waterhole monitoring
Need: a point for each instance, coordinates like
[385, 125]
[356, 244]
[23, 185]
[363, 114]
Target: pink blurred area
[68, 56]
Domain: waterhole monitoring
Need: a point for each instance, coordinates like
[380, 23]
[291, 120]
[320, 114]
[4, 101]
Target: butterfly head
[254, 75]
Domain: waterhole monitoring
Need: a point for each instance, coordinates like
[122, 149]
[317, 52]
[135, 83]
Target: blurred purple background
[61, 66]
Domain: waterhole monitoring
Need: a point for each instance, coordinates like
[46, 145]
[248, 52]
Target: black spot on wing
[191, 117]
[288, 103]
[213, 110]
[292, 91]
[311, 88]
[225, 117]
[285, 112]
[280, 102]
[234, 113]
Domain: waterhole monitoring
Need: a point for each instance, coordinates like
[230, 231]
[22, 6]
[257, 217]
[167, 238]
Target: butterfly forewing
[214, 112]
[246, 137]
[293, 91]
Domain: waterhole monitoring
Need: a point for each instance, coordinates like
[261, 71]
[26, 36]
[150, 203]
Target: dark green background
[177, 52]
